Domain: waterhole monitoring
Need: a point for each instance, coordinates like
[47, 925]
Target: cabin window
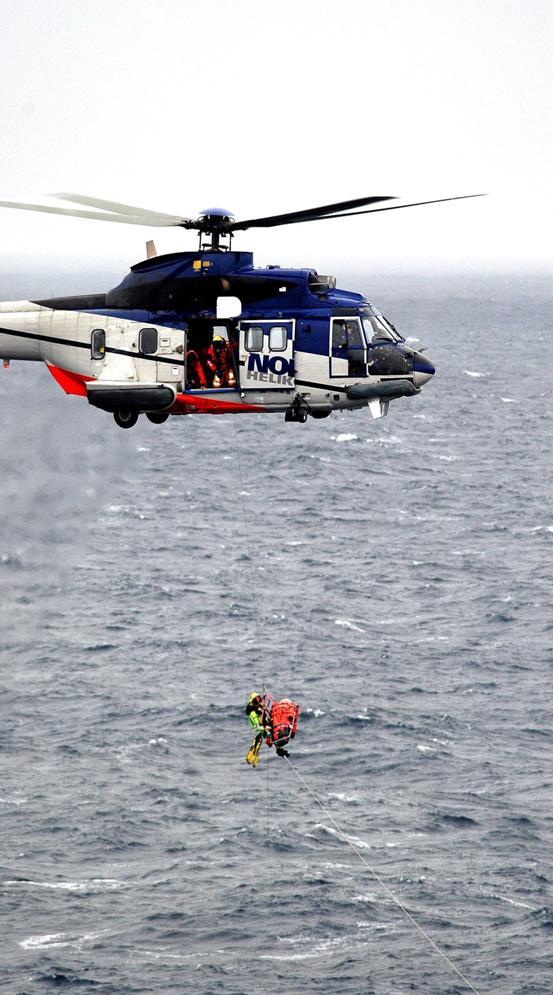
[254, 339]
[98, 343]
[278, 338]
[147, 341]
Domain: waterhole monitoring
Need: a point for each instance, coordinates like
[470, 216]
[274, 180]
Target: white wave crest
[344, 437]
[347, 623]
[92, 884]
[49, 940]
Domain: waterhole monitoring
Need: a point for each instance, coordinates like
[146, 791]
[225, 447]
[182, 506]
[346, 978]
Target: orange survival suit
[196, 377]
[281, 722]
[224, 375]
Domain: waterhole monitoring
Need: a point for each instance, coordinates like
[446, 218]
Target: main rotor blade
[148, 220]
[378, 210]
[115, 207]
[397, 207]
[310, 214]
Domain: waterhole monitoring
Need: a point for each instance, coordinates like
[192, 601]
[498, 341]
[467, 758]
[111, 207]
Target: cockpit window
[377, 328]
[347, 343]
[346, 334]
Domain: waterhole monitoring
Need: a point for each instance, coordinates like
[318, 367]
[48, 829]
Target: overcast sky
[263, 107]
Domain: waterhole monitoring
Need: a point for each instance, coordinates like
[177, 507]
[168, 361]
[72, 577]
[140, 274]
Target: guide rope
[381, 882]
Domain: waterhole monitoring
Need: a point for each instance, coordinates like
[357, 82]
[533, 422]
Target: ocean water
[392, 576]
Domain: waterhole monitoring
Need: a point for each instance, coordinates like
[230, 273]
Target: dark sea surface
[395, 577]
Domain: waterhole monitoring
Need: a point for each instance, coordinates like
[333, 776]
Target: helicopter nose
[423, 369]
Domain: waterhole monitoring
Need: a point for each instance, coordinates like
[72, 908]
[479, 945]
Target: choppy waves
[393, 576]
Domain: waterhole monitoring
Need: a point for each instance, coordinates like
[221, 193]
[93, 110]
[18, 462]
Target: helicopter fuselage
[207, 332]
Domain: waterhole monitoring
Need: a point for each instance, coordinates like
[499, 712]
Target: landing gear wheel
[157, 417]
[320, 414]
[125, 419]
[298, 411]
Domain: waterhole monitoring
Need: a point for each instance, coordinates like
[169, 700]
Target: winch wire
[267, 797]
[382, 883]
[253, 590]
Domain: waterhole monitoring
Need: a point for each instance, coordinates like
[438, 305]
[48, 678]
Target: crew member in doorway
[195, 375]
[224, 375]
[207, 359]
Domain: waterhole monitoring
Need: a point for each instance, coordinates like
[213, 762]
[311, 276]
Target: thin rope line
[253, 591]
[267, 798]
[382, 883]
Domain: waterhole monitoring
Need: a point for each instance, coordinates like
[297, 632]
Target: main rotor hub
[215, 218]
[214, 221]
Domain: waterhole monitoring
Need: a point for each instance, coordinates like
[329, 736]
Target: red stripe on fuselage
[72, 383]
[188, 404]
[185, 404]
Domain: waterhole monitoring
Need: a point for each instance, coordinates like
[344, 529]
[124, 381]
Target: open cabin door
[267, 354]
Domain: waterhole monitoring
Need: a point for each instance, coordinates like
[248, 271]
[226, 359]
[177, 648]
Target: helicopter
[207, 332]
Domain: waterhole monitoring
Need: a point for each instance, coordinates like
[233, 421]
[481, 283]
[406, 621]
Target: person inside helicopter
[347, 343]
[224, 375]
[210, 356]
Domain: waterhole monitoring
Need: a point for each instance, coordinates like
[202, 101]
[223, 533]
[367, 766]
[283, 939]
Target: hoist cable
[381, 882]
[420, 929]
[267, 798]
[253, 590]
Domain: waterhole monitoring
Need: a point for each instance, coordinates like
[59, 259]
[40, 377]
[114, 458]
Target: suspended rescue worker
[255, 710]
[277, 721]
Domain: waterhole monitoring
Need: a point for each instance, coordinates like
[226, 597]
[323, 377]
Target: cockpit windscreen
[377, 328]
